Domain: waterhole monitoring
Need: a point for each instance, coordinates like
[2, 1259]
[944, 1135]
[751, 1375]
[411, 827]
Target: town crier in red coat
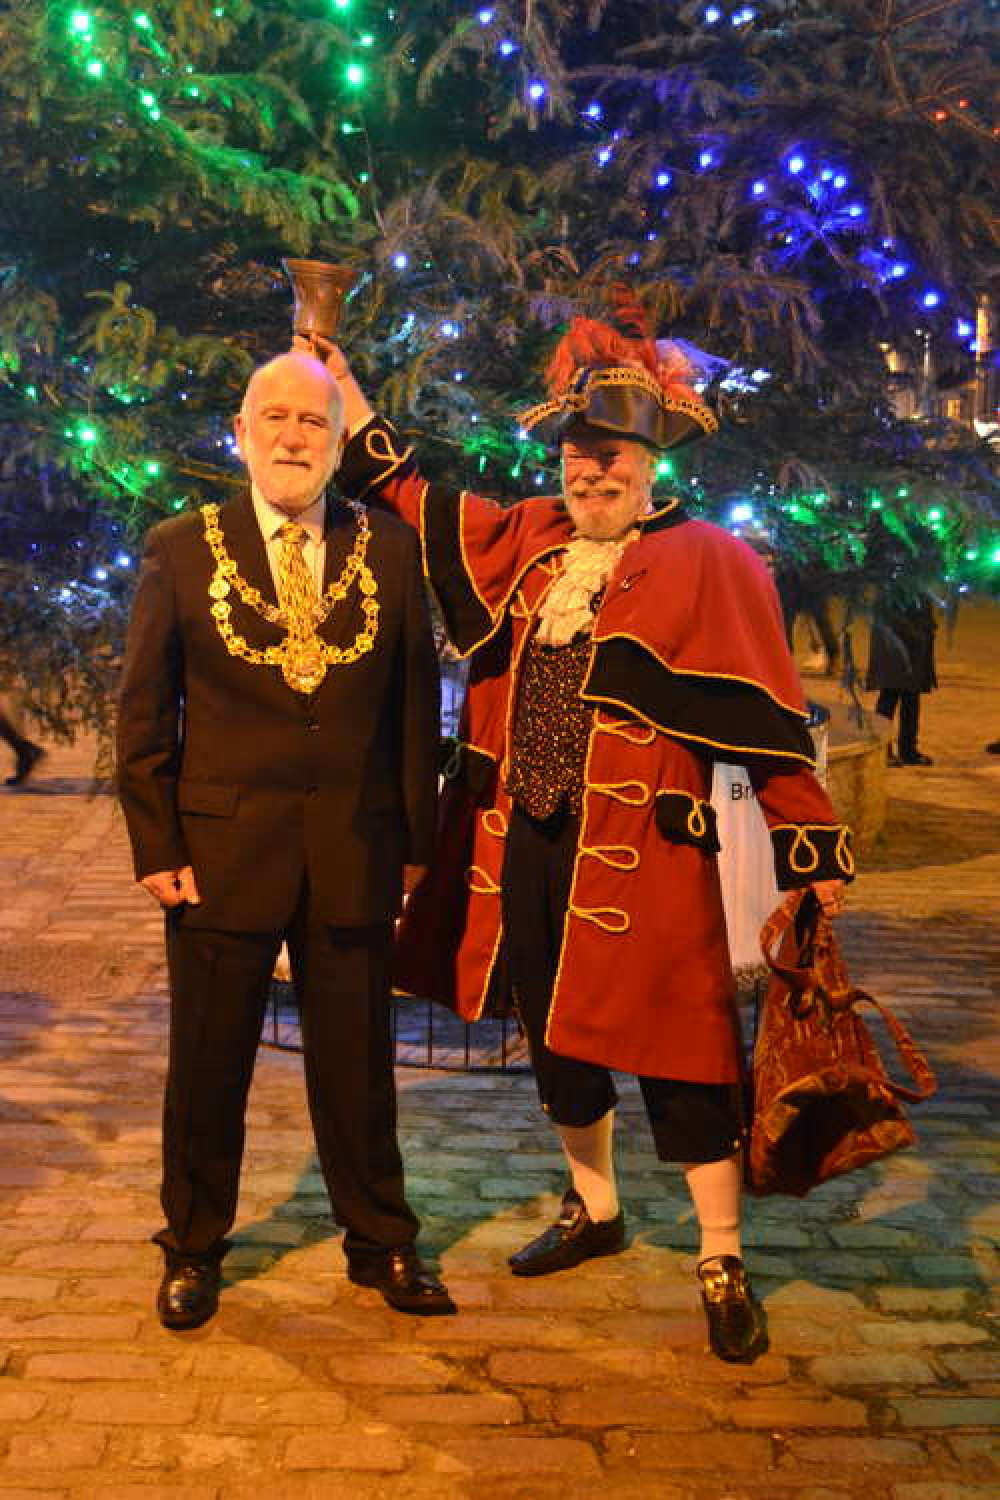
[616, 646]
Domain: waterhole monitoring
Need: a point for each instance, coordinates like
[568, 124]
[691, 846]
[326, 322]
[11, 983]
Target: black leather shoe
[404, 1281]
[914, 758]
[189, 1293]
[736, 1327]
[572, 1239]
[28, 756]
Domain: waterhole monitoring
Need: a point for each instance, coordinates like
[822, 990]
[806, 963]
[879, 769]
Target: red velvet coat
[688, 661]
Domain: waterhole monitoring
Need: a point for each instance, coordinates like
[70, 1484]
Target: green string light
[355, 74]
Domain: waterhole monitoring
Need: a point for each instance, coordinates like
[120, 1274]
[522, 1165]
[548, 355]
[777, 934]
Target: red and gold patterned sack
[823, 1103]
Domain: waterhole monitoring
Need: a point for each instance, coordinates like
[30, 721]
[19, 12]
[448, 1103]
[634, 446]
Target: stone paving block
[714, 1451]
[500, 1329]
[215, 1450]
[977, 1364]
[119, 1486]
[921, 1334]
[803, 1335]
[76, 1257]
[305, 1408]
[58, 1448]
[870, 1369]
[28, 1288]
[461, 1409]
[19, 1405]
[89, 1327]
[946, 1268]
[98, 1365]
[482, 1454]
[840, 1453]
[392, 1368]
[625, 1405]
[243, 1366]
[581, 1368]
[947, 1411]
[369, 1448]
[569, 1291]
[17, 1232]
[340, 1486]
[136, 1293]
[982, 1451]
[791, 1409]
[33, 1494]
[142, 1408]
[817, 1300]
[948, 1489]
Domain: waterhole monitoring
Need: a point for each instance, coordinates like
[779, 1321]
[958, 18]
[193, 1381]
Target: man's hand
[831, 896]
[357, 409]
[412, 876]
[173, 887]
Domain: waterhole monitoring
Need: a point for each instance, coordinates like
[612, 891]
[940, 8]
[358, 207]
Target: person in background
[901, 669]
[26, 753]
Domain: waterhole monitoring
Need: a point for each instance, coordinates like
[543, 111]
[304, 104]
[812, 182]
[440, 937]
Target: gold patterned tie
[296, 588]
[303, 659]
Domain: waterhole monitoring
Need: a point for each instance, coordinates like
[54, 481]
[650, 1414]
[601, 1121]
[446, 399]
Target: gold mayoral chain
[303, 656]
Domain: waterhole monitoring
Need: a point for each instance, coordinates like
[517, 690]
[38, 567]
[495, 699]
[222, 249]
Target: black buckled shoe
[404, 1281]
[189, 1293]
[572, 1239]
[736, 1327]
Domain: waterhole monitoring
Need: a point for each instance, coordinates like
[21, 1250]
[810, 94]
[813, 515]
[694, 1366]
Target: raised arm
[473, 550]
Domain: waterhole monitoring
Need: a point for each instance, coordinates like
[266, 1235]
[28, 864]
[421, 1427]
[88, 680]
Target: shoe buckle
[722, 1283]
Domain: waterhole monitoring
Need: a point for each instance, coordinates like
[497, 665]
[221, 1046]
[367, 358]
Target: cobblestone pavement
[882, 1380]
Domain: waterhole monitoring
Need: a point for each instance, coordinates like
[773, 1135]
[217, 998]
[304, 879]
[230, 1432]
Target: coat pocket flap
[683, 818]
[207, 797]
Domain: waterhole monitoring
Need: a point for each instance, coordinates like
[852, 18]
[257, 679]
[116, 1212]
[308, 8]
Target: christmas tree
[799, 190]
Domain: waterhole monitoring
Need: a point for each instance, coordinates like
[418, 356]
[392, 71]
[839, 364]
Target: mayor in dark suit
[277, 755]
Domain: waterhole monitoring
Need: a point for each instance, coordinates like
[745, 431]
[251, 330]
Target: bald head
[290, 430]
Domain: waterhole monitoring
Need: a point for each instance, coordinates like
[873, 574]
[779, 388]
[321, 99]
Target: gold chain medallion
[303, 656]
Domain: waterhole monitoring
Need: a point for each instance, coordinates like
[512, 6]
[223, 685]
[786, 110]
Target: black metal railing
[425, 1035]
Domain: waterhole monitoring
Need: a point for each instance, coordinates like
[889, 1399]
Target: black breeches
[691, 1122]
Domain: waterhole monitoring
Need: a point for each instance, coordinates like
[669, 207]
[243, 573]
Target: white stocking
[715, 1192]
[588, 1150]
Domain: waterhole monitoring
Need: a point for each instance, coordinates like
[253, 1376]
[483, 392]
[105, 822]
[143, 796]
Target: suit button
[313, 724]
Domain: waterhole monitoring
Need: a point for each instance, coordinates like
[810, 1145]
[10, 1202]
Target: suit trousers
[690, 1122]
[219, 984]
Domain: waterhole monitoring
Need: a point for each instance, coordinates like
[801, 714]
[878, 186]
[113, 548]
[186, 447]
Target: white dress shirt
[313, 520]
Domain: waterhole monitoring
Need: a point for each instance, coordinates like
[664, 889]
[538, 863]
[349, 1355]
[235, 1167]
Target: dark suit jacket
[224, 767]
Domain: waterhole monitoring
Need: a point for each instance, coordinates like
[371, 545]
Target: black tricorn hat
[631, 388]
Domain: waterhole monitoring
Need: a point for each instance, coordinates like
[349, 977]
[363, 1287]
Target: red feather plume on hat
[589, 343]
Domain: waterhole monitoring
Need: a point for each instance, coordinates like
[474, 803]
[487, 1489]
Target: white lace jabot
[566, 610]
